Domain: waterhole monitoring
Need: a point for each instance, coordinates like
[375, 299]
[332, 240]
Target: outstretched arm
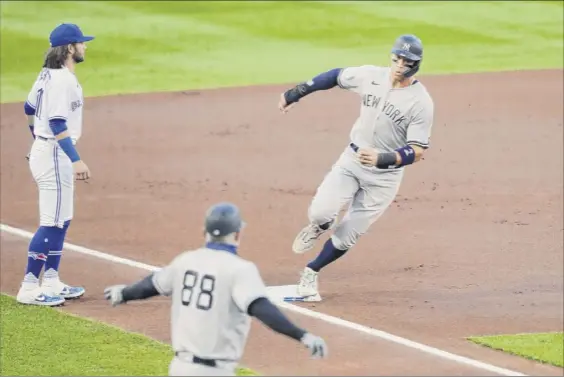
[271, 316]
[266, 312]
[250, 296]
[348, 78]
[323, 81]
[157, 283]
[141, 290]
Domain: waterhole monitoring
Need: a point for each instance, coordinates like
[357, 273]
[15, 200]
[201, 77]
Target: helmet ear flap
[413, 70]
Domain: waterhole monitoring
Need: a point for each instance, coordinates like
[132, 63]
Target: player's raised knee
[344, 241]
[320, 216]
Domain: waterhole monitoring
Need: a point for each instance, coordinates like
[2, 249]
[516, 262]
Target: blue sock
[37, 255]
[55, 253]
[328, 254]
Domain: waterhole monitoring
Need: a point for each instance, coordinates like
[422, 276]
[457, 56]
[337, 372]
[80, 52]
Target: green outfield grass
[47, 342]
[161, 46]
[543, 347]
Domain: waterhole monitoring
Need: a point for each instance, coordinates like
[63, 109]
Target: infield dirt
[472, 245]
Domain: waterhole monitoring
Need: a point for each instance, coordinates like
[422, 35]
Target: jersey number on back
[204, 301]
[38, 103]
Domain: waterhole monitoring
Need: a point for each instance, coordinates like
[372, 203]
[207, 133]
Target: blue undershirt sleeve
[59, 126]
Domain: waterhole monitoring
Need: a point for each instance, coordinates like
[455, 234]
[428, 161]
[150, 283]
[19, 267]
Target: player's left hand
[114, 294]
[367, 157]
[316, 345]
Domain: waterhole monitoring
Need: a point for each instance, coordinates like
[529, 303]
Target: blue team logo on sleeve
[75, 105]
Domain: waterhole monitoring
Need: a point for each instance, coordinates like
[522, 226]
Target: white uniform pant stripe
[58, 185]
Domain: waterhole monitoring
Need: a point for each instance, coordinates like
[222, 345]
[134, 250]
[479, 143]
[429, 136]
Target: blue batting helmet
[223, 219]
[409, 47]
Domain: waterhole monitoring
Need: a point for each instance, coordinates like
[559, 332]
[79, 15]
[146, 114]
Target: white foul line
[297, 309]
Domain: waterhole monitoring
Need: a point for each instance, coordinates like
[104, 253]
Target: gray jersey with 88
[211, 291]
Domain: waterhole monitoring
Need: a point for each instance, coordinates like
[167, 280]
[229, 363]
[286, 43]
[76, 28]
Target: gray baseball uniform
[389, 119]
[211, 291]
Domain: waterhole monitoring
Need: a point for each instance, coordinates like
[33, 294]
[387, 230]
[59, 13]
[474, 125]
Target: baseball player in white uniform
[213, 291]
[392, 131]
[54, 109]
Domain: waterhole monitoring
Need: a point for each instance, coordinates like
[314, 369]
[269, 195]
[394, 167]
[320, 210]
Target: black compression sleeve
[141, 290]
[385, 160]
[271, 316]
[323, 81]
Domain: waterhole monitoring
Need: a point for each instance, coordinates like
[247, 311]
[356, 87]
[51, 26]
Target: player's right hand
[114, 294]
[316, 345]
[282, 105]
[81, 171]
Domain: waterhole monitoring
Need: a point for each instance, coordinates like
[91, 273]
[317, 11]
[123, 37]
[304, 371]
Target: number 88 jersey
[211, 289]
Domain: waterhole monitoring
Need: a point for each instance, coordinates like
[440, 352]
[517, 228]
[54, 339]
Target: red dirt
[472, 245]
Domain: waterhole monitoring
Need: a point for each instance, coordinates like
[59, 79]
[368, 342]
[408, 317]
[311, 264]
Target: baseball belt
[44, 138]
[50, 139]
[355, 148]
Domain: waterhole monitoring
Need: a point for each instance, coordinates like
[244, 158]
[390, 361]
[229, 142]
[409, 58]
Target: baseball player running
[54, 110]
[392, 131]
[214, 291]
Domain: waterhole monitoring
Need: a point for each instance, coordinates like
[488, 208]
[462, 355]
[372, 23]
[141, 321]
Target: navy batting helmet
[409, 47]
[223, 219]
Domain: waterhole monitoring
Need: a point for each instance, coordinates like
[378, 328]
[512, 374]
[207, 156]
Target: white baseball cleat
[58, 288]
[38, 297]
[307, 288]
[305, 240]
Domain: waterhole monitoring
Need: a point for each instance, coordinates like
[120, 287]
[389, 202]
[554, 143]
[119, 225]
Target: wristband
[295, 94]
[407, 155]
[385, 160]
[69, 149]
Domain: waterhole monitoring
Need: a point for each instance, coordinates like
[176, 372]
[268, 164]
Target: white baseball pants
[368, 191]
[53, 173]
